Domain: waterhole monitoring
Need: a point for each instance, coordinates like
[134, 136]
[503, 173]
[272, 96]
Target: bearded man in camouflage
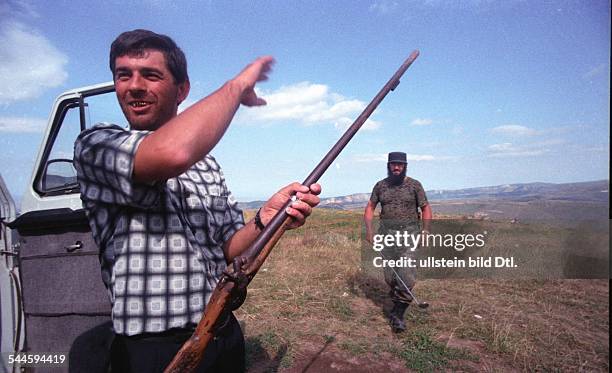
[404, 207]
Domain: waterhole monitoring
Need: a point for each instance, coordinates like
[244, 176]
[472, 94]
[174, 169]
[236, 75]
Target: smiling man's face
[146, 89]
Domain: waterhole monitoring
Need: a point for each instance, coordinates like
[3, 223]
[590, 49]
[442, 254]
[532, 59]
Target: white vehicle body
[52, 298]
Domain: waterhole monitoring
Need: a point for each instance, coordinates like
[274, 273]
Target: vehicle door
[65, 304]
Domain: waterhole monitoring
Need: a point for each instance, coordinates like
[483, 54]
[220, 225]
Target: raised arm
[189, 136]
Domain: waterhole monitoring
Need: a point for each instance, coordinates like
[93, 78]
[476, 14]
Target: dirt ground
[313, 309]
[568, 334]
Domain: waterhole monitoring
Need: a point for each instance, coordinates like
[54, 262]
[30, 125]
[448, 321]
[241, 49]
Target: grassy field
[313, 307]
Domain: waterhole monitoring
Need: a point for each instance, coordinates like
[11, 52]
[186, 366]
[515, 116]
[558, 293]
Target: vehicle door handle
[77, 245]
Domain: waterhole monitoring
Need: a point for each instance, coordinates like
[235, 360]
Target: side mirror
[59, 174]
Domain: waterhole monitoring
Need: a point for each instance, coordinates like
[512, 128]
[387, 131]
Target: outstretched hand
[257, 71]
[300, 209]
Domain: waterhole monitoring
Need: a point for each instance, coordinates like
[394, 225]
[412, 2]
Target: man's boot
[396, 317]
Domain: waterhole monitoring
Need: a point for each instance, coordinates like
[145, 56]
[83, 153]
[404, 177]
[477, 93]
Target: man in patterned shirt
[159, 208]
[400, 197]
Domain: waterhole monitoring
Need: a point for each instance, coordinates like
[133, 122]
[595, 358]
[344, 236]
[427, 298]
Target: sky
[503, 91]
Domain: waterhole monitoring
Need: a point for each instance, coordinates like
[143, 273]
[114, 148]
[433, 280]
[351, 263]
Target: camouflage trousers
[399, 278]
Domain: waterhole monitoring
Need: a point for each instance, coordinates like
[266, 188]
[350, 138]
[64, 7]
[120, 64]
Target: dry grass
[311, 307]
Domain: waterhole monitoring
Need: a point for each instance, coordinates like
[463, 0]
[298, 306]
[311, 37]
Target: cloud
[510, 150]
[421, 122]
[549, 142]
[22, 124]
[309, 104]
[29, 63]
[596, 71]
[514, 130]
[595, 149]
[420, 157]
[344, 123]
[18, 8]
[530, 149]
[383, 6]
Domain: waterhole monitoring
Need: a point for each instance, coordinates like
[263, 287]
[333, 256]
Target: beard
[396, 179]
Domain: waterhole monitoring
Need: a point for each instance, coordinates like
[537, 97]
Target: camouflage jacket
[399, 202]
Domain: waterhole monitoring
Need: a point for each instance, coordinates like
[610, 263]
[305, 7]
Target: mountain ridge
[588, 191]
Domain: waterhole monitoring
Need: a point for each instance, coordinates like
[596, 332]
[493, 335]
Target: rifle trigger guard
[239, 296]
[221, 323]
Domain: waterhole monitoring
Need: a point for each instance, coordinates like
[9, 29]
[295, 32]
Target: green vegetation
[424, 354]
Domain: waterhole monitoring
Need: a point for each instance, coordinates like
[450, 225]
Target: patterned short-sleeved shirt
[160, 243]
[399, 202]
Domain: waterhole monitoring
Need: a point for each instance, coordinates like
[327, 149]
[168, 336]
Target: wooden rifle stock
[231, 289]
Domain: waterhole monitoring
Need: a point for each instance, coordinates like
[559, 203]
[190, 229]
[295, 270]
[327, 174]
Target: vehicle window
[57, 174]
[68, 131]
[104, 108]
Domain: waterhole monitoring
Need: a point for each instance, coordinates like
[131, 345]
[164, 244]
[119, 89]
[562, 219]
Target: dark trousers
[152, 352]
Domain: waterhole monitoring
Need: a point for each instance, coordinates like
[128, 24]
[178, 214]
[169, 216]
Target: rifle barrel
[277, 221]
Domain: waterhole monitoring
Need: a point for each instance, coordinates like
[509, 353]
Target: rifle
[230, 292]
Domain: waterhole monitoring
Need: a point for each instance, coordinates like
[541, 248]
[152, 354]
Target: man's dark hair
[135, 42]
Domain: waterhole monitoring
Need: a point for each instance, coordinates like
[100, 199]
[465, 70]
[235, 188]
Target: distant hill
[349, 202]
[251, 205]
[532, 201]
[594, 191]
